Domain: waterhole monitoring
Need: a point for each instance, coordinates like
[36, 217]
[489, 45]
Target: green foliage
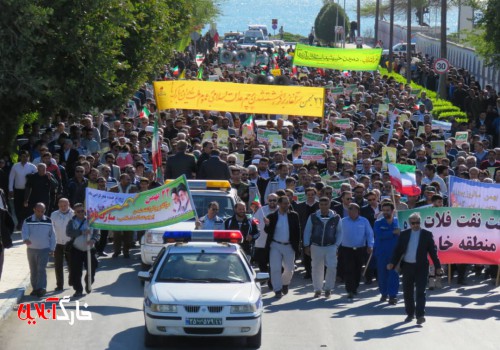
[488, 41]
[289, 37]
[459, 116]
[326, 21]
[439, 110]
[442, 109]
[78, 56]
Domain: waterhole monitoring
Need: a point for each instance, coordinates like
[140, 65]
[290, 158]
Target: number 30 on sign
[441, 66]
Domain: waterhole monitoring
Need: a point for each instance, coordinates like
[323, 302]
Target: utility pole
[442, 77]
[391, 35]
[408, 43]
[358, 18]
[377, 14]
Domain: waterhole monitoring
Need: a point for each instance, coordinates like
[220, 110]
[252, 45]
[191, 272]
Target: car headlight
[167, 308]
[243, 309]
[154, 237]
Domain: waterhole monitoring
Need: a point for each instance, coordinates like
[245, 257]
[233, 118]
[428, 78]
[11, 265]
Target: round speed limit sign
[441, 66]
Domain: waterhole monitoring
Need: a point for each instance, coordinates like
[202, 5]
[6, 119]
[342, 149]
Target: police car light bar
[203, 236]
[206, 184]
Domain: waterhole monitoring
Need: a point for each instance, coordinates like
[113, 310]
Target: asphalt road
[457, 318]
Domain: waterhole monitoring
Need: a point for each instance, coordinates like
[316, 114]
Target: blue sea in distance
[297, 16]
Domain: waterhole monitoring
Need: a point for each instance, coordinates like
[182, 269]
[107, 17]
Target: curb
[10, 303]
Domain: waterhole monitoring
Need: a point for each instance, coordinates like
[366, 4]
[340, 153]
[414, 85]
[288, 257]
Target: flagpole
[393, 197]
[89, 263]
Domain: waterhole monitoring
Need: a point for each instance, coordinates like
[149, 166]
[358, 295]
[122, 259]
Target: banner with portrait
[162, 206]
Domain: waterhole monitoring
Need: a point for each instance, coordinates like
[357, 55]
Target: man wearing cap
[82, 239]
[426, 201]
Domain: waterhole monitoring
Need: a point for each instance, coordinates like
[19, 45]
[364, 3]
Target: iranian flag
[247, 129]
[403, 179]
[175, 71]
[144, 113]
[199, 59]
[156, 150]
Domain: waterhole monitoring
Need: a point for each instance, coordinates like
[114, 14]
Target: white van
[261, 27]
[400, 48]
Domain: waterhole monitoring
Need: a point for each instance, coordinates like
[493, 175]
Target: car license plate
[204, 321]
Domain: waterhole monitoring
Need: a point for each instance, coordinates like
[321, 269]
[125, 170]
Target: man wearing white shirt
[260, 255]
[431, 176]
[60, 219]
[17, 185]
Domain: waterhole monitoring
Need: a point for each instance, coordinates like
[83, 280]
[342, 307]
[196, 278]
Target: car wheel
[256, 340]
[150, 340]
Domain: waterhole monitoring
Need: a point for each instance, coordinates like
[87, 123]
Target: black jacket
[248, 227]
[426, 246]
[6, 229]
[213, 169]
[294, 227]
[180, 164]
[339, 209]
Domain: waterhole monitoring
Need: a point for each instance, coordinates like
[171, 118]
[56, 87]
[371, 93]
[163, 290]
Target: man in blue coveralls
[386, 232]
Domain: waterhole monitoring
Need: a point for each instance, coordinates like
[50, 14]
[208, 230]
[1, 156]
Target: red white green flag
[247, 130]
[403, 179]
[199, 59]
[156, 150]
[144, 113]
[175, 71]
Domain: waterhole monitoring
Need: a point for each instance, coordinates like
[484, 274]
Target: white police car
[201, 286]
[203, 192]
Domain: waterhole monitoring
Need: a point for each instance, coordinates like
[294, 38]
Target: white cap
[298, 162]
[150, 128]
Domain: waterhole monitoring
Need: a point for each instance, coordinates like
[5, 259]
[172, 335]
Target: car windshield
[203, 268]
[201, 202]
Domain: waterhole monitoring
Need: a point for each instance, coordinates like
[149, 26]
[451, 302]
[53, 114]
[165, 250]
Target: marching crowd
[297, 214]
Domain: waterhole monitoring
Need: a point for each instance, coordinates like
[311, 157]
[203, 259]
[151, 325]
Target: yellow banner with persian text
[334, 58]
[243, 98]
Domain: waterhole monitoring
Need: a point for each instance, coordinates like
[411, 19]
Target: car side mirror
[261, 277]
[144, 276]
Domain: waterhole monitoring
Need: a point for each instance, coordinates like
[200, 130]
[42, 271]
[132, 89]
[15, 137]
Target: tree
[487, 41]
[326, 21]
[78, 55]
[420, 7]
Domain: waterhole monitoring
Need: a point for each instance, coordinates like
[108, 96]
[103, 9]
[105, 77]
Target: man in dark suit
[181, 163]
[68, 157]
[304, 209]
[343, 208]
[411, 251]
[283, 239]
[214, 168]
